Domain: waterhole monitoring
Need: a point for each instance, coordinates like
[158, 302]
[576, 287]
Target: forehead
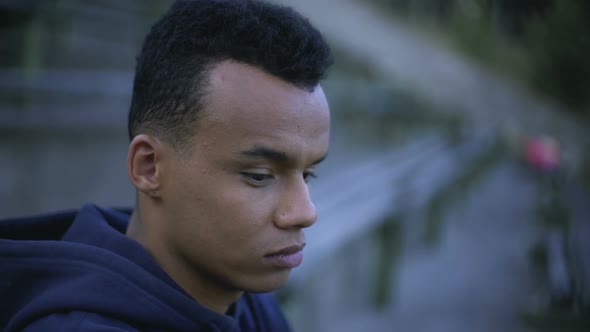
[246, 106]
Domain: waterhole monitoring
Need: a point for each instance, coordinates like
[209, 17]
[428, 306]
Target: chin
[268, 283]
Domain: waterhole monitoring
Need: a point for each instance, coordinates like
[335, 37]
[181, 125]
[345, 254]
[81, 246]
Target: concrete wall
[43, 170]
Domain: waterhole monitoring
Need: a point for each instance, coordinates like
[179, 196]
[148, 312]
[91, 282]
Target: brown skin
[211, 218]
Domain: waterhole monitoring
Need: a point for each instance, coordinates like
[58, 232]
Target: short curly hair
[172, 69]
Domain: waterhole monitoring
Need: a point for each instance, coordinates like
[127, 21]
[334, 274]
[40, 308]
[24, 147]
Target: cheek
[248, 208]
[232, 209]
[235, 223]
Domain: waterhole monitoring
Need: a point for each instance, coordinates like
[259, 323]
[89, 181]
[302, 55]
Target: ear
[143, 164]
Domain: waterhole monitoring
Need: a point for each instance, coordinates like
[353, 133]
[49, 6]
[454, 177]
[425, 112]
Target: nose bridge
[296, 208]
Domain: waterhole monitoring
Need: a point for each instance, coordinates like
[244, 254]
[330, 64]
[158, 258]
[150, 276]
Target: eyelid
[250, 177]
[309, 174]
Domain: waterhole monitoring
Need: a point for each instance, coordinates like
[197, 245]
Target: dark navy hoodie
[78, 271]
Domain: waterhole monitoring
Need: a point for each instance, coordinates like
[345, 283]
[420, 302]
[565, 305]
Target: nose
[295, 209]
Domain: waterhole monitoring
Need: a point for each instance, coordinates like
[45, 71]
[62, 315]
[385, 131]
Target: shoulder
[77, 321]
[266, 312]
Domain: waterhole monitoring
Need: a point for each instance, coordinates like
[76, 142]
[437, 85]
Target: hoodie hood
[83, 261]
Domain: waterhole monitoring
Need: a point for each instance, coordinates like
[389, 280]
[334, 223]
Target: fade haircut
[172, 70]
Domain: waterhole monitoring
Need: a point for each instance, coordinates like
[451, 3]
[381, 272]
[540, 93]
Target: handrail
[390, 182]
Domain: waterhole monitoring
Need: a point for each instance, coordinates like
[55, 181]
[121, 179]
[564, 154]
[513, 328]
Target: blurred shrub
[544, 42]
[559, 47]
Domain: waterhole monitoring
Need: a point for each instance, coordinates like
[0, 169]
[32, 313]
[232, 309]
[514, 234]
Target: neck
[201, 287]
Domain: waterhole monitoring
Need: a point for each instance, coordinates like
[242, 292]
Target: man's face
[236, 206]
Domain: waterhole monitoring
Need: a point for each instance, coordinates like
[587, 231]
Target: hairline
[181, 143]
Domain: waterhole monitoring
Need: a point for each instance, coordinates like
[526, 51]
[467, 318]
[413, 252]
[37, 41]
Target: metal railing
[343, 273]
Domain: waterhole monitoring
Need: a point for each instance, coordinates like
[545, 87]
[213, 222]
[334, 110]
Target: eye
[257, 179]
[308, 175]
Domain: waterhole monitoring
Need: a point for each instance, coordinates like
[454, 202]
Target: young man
[226, 124]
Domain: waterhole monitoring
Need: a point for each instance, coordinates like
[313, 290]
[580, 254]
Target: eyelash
[259, 178]
[309, 174]
[253, 176]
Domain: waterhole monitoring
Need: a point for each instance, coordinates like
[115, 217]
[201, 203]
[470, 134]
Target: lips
[289, 250]
[288, 257]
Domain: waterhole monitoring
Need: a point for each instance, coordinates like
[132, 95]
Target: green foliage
[545, 43]
[476, 37]
[560, 54]
[558, 321]
[389, 235]
[459, 187]
[552, 207]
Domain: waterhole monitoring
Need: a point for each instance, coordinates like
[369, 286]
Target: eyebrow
[272, 154]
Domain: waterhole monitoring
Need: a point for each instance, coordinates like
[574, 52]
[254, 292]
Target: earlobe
[143, 164]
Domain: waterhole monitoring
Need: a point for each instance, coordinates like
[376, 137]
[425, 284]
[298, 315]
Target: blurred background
[456, 195]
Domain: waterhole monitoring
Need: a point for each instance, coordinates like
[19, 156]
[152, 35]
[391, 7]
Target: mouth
[288, 257]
